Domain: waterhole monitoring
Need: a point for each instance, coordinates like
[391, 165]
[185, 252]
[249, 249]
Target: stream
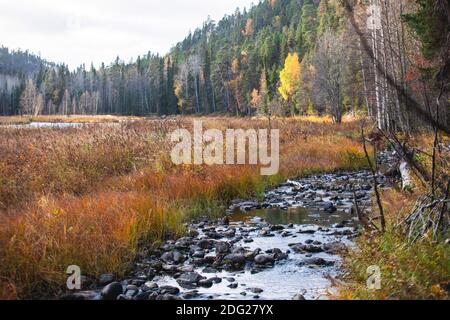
[287, 246]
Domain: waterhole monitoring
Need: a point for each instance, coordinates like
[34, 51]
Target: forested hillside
[284, 57]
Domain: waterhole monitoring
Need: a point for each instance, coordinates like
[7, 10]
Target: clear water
[287, 278]
[37, 125]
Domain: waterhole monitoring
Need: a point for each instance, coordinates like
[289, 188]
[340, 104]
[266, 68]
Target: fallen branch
[375, 183]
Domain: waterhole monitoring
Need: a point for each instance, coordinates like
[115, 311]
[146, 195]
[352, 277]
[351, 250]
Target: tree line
[281, 57]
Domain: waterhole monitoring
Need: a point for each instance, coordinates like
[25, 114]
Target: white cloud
[85, 31]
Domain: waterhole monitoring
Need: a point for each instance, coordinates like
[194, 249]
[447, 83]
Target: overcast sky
[85, 31]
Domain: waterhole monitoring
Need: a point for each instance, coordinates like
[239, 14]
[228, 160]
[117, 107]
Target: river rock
[301, 248]
[317, 262]
[131, 291]
[199, 254]
[222, 247]
[169, 290]
[189, 279]
[330, 208]
[210, 270]
[178, 257]
[149, 286]
[263, 259]
[235, 258]
[334, 247]
[112, 291]
[205, 244]
[168, 297]
[167, 257]
[205, 283]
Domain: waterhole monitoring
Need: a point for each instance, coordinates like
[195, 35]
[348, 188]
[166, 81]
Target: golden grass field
[91, 196]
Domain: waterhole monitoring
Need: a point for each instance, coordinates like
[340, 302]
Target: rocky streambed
[287, 246]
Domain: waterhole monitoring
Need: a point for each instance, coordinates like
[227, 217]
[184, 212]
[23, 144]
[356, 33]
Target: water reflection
[297, 216]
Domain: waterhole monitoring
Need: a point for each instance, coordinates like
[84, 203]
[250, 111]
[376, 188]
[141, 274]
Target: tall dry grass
[94, 196]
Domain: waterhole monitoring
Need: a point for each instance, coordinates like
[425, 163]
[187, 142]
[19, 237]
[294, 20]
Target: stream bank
[285, 247]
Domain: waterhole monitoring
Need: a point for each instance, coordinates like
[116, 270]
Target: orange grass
[95, 196]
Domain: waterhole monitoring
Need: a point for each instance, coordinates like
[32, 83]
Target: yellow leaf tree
[290, 80]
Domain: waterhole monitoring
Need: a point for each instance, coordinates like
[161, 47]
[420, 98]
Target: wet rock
[189, 279]
[167, 257]
[169, 268]
[276, 228]
[153, 296]
[256, 290]
[143, 296]
[198, 262]
[236, 259]
[309, 248]
[317, 262]
[233, 286]
[169, 290]
[222, 247]
[178, 257]
[229, 233]
[139, 282]
[199, 254]
[330, 208]
[206, 283]
[299, 297]
[106, 279]
[185, 269]
[216, 280]
[149, 286]
[112, 291]
[209, 260]
[131, 291]
[168, 297]
[193, 233]
[334, 247]
[205, 244]
[190, 295]
[263, 259]
[213, 235]
[210, 270]
[183, 243]
[308, 231]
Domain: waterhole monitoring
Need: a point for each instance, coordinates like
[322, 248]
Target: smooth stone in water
[169, 290]
[112, 291]
[263, 259]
